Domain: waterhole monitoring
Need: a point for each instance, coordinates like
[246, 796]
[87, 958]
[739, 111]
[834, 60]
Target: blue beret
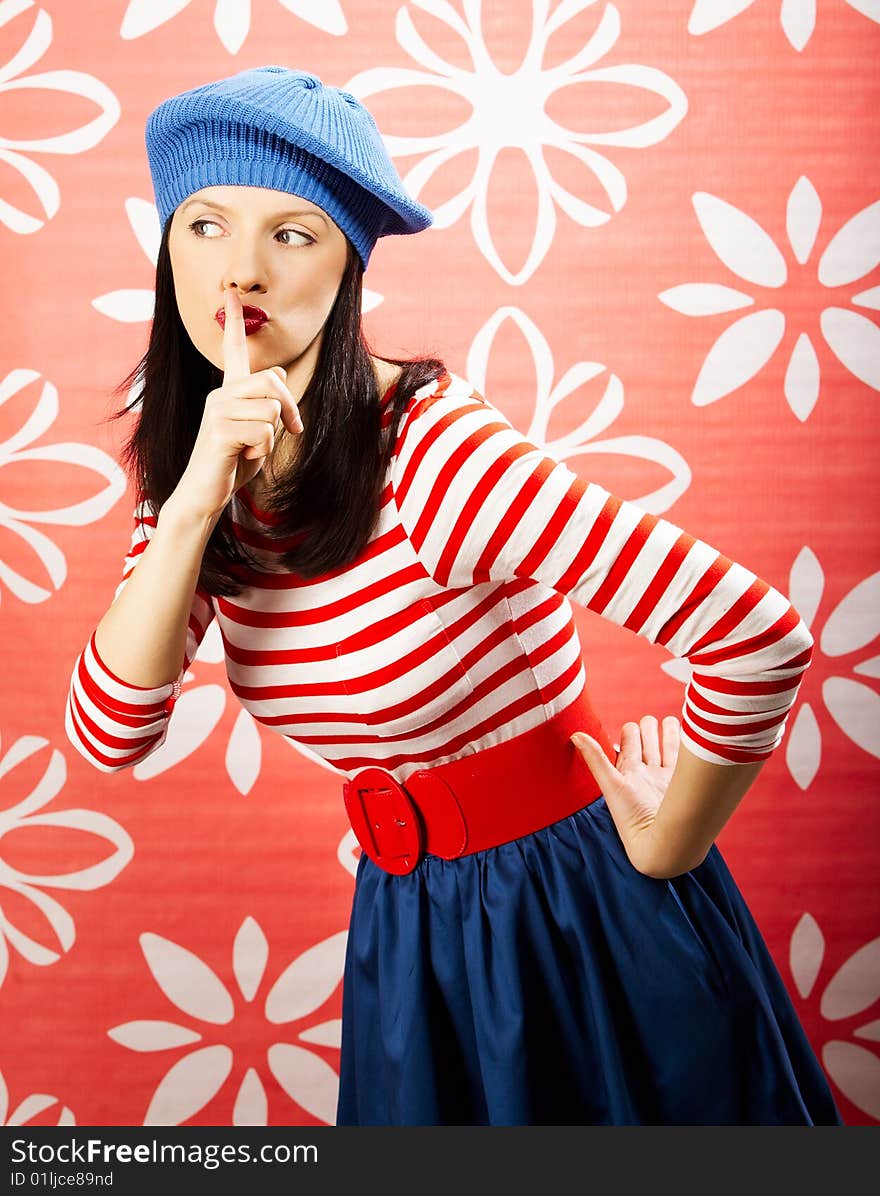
[273, 127]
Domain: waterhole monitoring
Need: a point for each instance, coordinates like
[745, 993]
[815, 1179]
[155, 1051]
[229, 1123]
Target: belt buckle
[385, 821]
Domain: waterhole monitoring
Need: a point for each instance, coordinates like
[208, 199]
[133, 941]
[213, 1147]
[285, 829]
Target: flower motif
[232, 18]
[853, 989]
[77, 141]
[19, 448]
[744, 348]
[21, 813]
[852, 625]
[197, 991]
[798, 20]
[508, 113]
[583, 438]
[30, 1107]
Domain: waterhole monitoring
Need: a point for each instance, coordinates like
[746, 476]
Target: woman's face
[282, 253]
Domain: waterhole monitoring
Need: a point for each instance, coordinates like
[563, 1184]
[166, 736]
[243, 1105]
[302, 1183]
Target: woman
[538, 934]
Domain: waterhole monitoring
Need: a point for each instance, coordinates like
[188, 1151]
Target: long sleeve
[111, 722]
[482, 504]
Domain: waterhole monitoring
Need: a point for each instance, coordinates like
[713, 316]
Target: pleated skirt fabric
[549, 982]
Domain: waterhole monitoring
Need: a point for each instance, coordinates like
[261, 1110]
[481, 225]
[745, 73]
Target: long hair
[329, 502]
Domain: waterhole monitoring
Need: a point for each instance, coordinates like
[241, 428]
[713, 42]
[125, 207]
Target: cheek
[316, 294]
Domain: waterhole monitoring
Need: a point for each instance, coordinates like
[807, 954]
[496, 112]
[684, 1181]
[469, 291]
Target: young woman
[542, 930]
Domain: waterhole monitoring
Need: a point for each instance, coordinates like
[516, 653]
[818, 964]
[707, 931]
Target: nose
[247, 287]
[244, 271]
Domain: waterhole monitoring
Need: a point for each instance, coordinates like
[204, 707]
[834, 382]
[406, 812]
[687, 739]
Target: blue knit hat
[273, 127]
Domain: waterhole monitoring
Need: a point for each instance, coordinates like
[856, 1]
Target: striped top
[453, 629]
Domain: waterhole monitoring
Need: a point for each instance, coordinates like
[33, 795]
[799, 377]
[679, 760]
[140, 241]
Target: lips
[254, 317]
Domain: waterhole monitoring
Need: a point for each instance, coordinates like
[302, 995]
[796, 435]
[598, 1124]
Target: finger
[650, 739]
[630, 747]
[593, 755]
[251, 437]
[671, 740]
[289, 410]
[236, 362]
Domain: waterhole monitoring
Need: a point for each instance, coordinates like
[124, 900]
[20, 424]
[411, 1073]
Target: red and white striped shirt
[452, 630]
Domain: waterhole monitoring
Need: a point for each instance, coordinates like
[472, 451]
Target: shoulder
[387, 374]
[433, 406]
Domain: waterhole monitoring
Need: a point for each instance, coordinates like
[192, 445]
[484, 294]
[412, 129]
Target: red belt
[478, 801]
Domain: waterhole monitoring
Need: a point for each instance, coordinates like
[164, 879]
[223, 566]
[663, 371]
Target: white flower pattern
[850, 993]
[30, 1107]
[19, 448]
[18, 153]
[508, 111]
[195, 1078]
[27, 812]
[854, 705]
[232, 18]
[550, 394]
[742, 350]
[798, 20]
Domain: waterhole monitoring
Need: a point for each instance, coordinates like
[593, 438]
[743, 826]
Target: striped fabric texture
[453, 629]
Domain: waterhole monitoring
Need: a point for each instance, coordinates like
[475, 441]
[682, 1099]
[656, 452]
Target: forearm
[700, 799]
[142, 636]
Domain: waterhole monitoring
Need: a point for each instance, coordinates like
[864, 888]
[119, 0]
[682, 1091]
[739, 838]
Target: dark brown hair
[329, 502]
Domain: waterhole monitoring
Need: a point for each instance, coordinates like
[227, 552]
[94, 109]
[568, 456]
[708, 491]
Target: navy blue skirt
[548, 982]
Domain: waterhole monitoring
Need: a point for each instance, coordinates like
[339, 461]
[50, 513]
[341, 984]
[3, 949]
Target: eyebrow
[210, 203]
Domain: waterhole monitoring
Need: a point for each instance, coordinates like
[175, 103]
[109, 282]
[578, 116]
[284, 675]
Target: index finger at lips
[236, 362]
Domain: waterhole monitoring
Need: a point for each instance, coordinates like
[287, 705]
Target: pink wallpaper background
[656, 250]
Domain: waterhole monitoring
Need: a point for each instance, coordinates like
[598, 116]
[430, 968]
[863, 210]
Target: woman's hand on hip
[633, 787]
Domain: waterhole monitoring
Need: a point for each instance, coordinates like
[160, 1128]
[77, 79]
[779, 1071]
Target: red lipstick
[254, 318]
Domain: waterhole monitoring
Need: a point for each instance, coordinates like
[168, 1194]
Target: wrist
[187, 519]
[662, 859]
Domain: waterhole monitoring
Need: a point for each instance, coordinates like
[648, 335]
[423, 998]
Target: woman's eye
[294, 232]
[196, 223]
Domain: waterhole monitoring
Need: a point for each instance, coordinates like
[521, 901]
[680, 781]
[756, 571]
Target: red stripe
[592, 545]
[733, 685]
[698, 594]
[539, 612]
[549, 537]
[139, 746]
[777, 631]
[660, 583]
[439, 493]
[411, 469]
[482, 728]
[699, 701]
[245, 617]
[735, 728]
[513, 516]
[734, 755]
[618, 572]
[729, 621]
